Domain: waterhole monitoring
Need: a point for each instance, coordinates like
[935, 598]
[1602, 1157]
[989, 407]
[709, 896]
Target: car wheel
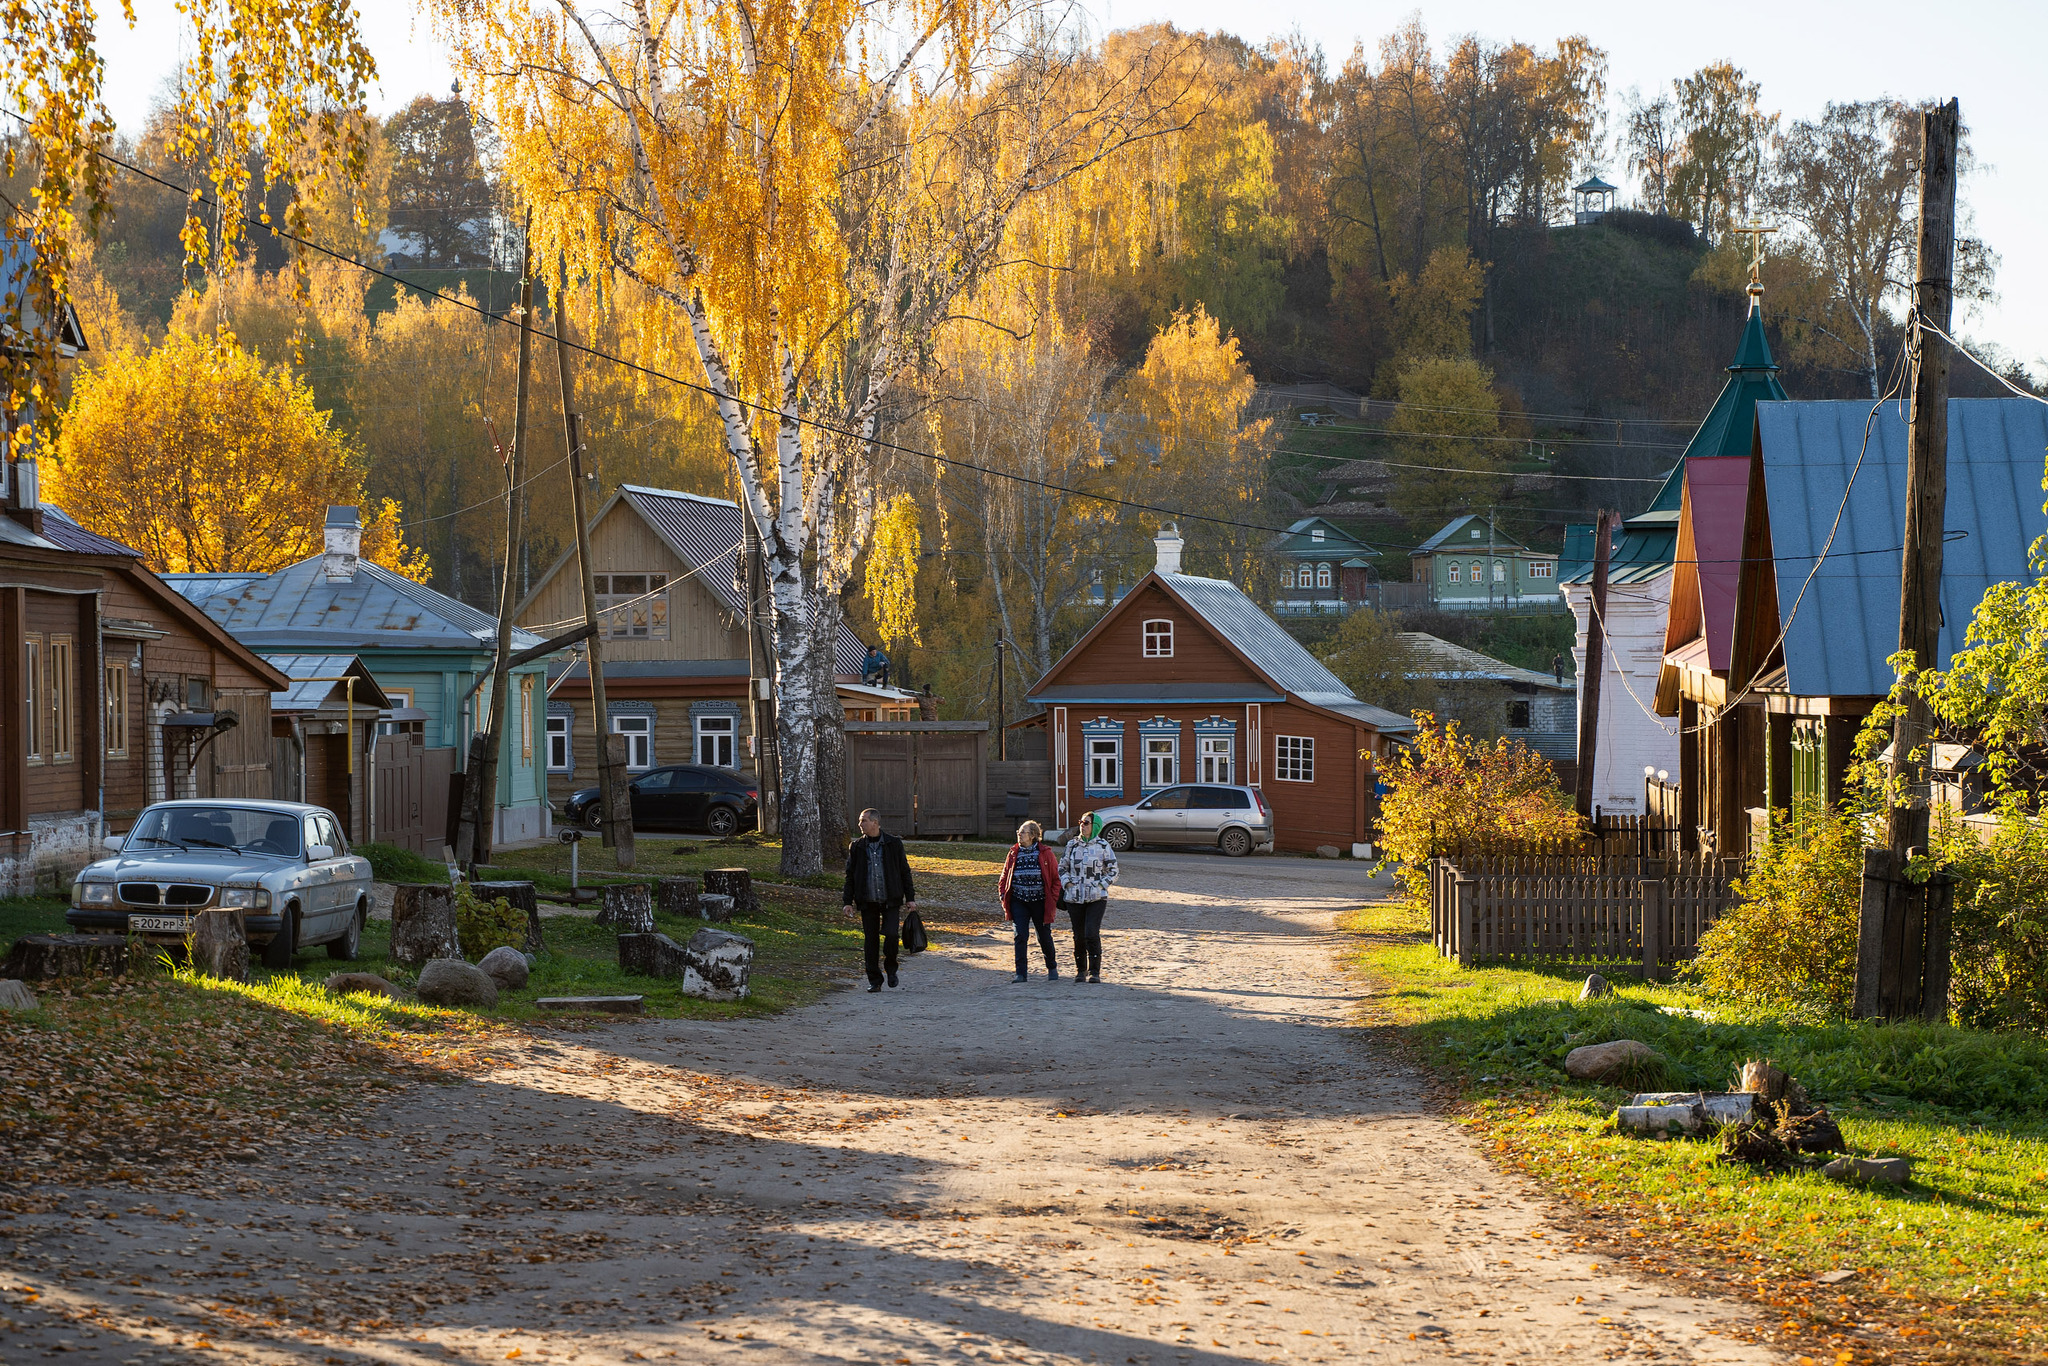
[721, 821]
[593, 818]
[1236, 843]
[350, 944]
[1119, 837]
[277, 954]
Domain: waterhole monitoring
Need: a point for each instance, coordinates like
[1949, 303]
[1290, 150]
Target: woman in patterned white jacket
[1087, 869]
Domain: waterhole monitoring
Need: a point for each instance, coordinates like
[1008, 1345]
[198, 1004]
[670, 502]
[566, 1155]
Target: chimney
[1168, 543]
[344, 544]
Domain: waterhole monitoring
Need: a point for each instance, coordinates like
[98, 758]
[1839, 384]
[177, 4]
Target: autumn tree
[1722, 135]
[441, 197]
[802, 213]
[206, 459]
[1650, 138]
[1449, 420]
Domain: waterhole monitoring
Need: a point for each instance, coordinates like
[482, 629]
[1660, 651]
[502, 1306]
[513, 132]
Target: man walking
[878, 881]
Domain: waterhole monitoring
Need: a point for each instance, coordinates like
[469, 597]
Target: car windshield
[245, 830]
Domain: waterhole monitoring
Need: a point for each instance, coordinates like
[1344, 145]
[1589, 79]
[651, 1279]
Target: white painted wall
[1630, 737]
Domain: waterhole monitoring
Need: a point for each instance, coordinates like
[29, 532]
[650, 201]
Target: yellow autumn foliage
[206, 459]
[891, 583]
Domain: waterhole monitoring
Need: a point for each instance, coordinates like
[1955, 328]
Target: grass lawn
[1953, 1266]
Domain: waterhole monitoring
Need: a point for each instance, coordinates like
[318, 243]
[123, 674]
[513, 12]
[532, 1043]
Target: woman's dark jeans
[1027, 916]
[1087, 921]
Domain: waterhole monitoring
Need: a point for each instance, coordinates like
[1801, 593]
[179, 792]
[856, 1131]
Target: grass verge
[1954, 1266]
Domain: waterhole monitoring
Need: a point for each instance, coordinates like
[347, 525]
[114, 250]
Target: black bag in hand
[915, 940]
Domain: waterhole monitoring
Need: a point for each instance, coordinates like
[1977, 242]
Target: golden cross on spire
[1756, 232]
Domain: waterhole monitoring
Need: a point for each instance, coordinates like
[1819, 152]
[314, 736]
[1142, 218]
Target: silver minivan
[1236, 820]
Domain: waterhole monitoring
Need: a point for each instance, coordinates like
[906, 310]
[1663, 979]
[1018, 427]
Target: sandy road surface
[1186, 1163]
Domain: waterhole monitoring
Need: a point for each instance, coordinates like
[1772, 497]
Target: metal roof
[199, 587]
[314, 683]
[1299, 539]
[1443, 660]
[1379, 718]
[1718, 488]
[1847, 623]
[1451, 528]
[60, 527]
[298, 610]
[1235, 617]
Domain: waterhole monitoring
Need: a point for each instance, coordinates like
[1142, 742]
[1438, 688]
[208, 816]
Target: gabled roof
[699, 531]
[1277, 657]
[297, 610]
[316, 685]
[1440, 659]
[1299, 539]
[1847, 622]
[1456, 531]
[1710, 555]
[61, 532]
[19, 277]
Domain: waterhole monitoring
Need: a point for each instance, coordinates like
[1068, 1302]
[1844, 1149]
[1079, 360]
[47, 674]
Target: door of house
[402, 804]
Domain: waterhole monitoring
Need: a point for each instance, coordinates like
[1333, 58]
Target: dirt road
[1189, 1163]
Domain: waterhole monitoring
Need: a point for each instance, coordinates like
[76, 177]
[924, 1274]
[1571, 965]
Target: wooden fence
[1623, 912]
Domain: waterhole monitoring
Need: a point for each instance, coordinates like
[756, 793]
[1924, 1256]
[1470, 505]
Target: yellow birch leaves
[891, 583]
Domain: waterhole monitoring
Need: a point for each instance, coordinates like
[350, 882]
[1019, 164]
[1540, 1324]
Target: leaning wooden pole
[1596, 664]
[485, 789]
[616, 800]
[1926, 468]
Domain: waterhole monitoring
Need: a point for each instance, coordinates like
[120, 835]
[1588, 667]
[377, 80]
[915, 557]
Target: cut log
[714, 908]
[736, 883]
[628, 908]
[44, 957]
[522, 897]
[651, 955]
[610, 1005]
[676, 897]
[718, 964]
[218, 946]
[1734, 1107]
[423, 923]
[1661, 1121]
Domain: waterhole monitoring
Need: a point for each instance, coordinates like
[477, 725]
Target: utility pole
[1489, 559]
[616, 798]
[484, 787]
[1002, 712]
[760, 706]
[1596, 664]
[1926, 467]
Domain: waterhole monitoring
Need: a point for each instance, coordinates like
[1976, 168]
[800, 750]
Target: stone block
[1896, 1171]
[360, 983]
[609, 1005]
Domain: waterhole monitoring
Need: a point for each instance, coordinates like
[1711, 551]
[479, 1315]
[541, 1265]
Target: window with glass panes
[1294, 758]
[714, 741]
[633, 606]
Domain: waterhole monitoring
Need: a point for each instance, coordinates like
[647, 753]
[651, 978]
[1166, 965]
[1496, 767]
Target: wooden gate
[412, 786]
[928, 779]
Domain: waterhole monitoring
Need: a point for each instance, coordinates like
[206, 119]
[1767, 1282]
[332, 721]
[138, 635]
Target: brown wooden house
[114, 692]
[1187, 680]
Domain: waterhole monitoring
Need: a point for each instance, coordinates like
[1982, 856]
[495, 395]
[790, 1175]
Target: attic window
[1316, 535]
[1475, 533]
[1158, 639]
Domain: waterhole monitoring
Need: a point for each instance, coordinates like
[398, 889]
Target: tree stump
[736, 883]
[628, 908]
[714, 907]
[717, 964]
[676, 897]
[423, 923]
[650, 955]
[522, 897]
[218, 946]
[44, 957]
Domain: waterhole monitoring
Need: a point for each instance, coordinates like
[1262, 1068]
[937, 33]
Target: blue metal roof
[298, 610]
[1847, 624]
[1450, 529]
[314, 683]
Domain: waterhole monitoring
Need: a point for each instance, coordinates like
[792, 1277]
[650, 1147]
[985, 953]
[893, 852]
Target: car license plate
[160, 924]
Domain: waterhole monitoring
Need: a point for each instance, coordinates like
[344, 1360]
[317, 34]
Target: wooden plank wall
[1583, 910]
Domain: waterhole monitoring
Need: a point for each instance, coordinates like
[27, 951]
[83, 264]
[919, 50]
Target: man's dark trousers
[878, 923]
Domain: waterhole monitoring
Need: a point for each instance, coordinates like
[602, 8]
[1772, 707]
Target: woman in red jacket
[1030, 891]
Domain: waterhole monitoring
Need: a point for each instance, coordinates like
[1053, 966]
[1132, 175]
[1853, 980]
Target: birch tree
[803, 191]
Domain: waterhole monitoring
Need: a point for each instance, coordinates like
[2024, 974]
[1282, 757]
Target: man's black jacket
[895, 872]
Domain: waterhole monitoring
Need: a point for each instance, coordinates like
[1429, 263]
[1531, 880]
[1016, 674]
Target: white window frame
[1540, 569]
[1500, 571]
[639, 733]
[722, 732]
[1478, 572]
[647, 616]
[1159, 638]
[558, 728]
[1215, 758]
[1316, 535]
[1456, 575]
[1294, 758]
[1162, 761]
[1105, 762]
[1323, 575]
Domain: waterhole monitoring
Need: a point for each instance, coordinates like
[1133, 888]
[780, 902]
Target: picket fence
[1630, 912]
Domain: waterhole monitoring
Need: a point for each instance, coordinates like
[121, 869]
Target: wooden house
[1538, 709]
[669, 590]
[1454, 565]
[1185, 679]
[1796, 610]
[115, 692]
[1323, 568]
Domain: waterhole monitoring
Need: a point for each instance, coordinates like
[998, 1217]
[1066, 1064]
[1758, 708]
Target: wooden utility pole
[616, 799]
[1596, 664]
[760, 706]
[1926, 466]
[483, 790]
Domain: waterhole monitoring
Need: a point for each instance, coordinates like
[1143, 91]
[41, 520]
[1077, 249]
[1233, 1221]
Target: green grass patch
[1962, 1247]
[944, 871]
[390, 863]
[20, 915]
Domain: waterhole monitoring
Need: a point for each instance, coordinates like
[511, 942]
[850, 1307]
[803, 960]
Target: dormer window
[1158, 639]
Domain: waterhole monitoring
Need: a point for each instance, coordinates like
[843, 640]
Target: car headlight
[244, 898]
[92, 893]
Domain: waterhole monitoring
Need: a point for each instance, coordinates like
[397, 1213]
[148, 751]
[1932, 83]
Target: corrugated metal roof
[1442, 659]
[61, 528]
[1379, 718]
[313, 682]
[1848, 622]
[298, 610]
[1719, 489]
[1238, 619]
[701, 530]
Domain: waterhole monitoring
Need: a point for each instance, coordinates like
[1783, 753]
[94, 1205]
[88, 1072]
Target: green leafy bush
[390, 863]
[483, 925]
[2000, 959]
[1789, 943]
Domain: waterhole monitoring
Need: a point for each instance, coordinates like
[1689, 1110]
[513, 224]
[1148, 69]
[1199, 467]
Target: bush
[2000, 977]
[390, 863]
[483, 925]
[1657, 227]
[1789, 943]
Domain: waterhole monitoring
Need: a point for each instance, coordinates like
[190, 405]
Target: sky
[1804, 53]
